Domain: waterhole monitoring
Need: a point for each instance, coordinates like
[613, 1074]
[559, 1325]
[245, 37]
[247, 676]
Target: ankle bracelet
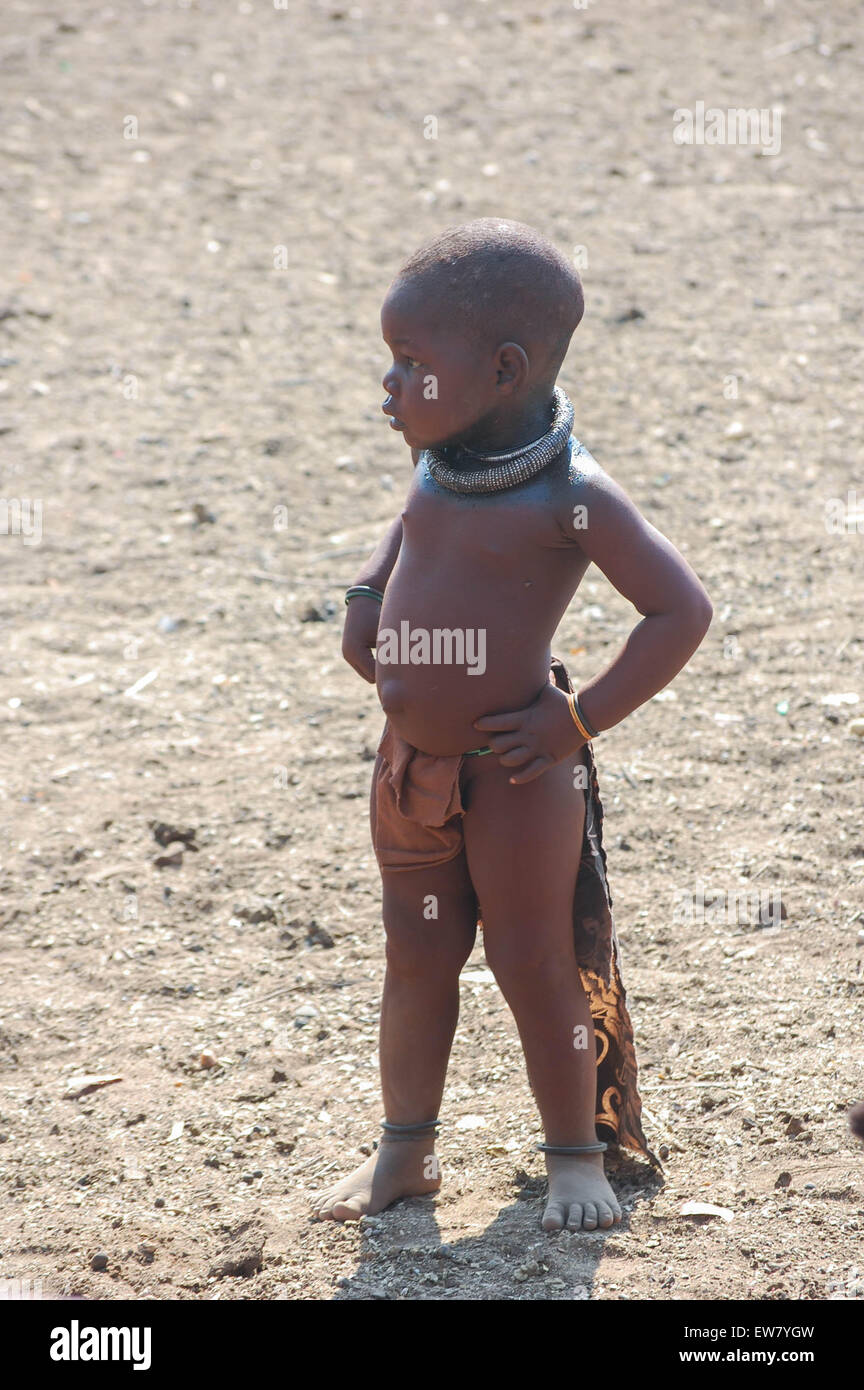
[571, 1149]
[409, 1131]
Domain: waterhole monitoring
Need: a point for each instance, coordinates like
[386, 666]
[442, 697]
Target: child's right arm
[361, 622]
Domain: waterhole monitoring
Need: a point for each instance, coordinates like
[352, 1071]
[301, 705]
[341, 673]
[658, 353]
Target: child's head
[478, 321]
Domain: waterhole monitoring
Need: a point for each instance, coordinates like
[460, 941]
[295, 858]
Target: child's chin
[416, 441]
[426, 443]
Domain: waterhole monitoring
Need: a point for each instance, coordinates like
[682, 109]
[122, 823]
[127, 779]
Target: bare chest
[505, 529]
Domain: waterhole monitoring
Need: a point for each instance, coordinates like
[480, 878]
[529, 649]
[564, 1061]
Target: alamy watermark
[26, 1290]
[443, 646]
[77, 1343]
[21, 516]
[739, 125]
[845, 518]
[755, 906]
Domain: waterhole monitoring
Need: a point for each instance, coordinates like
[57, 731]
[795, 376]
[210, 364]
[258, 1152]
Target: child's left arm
[647, 569]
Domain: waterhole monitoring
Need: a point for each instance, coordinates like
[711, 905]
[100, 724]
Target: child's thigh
[430, 915]
[524, 843]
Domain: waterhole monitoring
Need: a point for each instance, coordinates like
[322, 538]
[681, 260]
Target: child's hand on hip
[536, 738]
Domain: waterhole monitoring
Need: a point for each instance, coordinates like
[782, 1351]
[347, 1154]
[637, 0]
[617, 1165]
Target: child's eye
[412, 362]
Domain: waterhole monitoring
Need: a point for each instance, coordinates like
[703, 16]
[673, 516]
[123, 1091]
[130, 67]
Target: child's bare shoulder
[583, 490]
[583, 470]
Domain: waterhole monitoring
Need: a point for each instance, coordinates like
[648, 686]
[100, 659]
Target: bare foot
[580, 1198]
[397, 1168]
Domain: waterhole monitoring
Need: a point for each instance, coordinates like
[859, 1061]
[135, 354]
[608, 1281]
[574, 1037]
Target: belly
[434, 679]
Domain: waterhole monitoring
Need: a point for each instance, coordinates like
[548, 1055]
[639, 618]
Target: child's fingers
[514, 756]
[504, 722]
[502, 743]
[533, 770]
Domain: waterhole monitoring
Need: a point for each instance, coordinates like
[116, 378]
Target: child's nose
[388, 381]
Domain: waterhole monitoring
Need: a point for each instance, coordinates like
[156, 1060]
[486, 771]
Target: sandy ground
[185, 758]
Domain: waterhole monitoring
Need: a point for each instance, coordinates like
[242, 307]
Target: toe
[351, 1210]
[554, 1217]
[605, 1216]
[589, 1218]
[324, 1203]
[574, 1220]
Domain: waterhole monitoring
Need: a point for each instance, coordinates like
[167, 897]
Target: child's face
[440, 383]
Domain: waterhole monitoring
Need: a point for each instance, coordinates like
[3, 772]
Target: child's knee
[429, 932]
[413, 953]
[524, 965]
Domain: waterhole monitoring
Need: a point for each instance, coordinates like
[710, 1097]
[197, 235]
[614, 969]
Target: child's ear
[511, 367]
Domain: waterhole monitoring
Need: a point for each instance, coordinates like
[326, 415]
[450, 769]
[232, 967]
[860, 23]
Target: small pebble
[99, 1260]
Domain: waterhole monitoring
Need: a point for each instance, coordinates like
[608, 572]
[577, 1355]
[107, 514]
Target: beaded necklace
[508, 469]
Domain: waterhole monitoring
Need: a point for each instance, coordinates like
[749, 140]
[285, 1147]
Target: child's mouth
[396, 424]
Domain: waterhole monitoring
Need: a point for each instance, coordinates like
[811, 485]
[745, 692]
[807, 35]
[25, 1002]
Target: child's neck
[521, 425]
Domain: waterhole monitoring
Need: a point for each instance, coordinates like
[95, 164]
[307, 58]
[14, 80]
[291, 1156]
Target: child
[484, 800]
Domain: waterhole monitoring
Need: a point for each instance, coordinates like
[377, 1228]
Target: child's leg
[523, 845]
[419, 1010]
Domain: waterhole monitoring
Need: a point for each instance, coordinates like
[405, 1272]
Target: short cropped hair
[503, 281]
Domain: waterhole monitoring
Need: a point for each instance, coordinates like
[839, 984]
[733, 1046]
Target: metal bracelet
[409, 1129]
[364, 591]
[570, 1149]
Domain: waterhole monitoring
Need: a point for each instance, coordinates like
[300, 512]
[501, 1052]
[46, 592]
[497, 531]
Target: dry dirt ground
[186, 865]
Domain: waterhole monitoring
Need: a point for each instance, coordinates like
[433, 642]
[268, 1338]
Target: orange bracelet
[571, 701]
